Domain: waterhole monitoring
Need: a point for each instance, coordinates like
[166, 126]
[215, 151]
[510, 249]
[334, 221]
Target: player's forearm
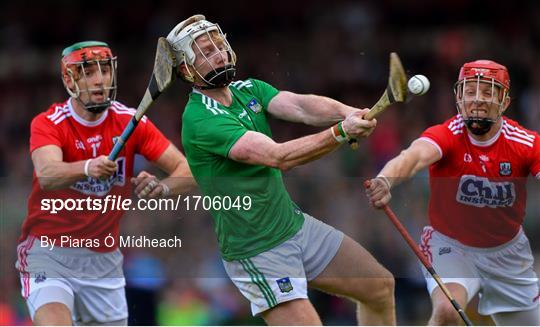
[258, 149]
[418, 156]
[303, 150]
[180, 181]
[323, 111]
[57, 174]
[400, 169]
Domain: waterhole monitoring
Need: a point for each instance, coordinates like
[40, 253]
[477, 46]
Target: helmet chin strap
[219, 77]
[95, 108]
[483, 125]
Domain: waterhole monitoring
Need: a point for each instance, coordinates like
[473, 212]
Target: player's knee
[445, 314]
[54, 314]
[379, 295]
[382, 294]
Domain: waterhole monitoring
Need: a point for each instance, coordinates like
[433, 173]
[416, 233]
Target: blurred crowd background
[335, 48]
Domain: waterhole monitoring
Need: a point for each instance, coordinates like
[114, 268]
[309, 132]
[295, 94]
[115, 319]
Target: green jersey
[209, 130]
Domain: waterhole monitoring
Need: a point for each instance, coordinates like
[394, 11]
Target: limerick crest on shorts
[505, 169]
[285, 285]
[254, 106]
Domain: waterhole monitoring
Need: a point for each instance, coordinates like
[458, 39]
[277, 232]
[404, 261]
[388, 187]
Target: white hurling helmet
[182, 39]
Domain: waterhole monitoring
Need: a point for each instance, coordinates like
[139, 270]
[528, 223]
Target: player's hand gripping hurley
[401, 229]
[396, 91]
[163, 75]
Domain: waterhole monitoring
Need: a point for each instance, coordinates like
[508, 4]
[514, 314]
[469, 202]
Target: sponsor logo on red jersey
[481, 192]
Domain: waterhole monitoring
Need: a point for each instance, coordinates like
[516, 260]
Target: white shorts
[281, 273]
[503, 275]
[90, 284]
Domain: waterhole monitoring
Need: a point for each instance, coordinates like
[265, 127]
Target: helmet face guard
[482, 84]
[183, 40]
[76, 60]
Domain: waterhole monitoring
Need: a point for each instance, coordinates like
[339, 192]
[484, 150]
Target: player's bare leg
[53, 314]
[444, 313]
[296, 312]
[356, 274]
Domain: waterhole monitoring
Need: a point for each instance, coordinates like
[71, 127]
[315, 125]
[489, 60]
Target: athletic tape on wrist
[341, 130]
[385, 180]
[86, 165]
[338, 133]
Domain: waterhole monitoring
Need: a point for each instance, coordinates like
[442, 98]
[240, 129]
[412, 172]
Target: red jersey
[81, 140]
[478, 189]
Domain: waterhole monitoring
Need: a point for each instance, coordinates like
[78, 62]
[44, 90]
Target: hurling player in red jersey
[478, 162]
[70, 272]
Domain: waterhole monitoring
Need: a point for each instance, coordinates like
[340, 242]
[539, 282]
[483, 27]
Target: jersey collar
[83, 121]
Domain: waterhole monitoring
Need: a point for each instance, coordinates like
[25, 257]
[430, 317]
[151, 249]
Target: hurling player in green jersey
[271, 250]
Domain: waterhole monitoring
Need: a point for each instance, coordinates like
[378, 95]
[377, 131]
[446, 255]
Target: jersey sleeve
[217, 134]
[264, 91]
[535, 167]
[44, 132]
[439, 136]
[151, 142]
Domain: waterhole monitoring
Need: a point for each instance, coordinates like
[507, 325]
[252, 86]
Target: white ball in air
[418, 84]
